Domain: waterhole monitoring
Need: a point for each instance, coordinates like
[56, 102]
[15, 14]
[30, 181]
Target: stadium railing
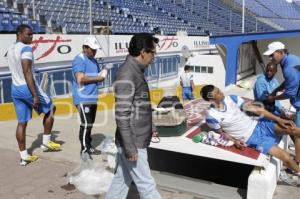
[60, 77]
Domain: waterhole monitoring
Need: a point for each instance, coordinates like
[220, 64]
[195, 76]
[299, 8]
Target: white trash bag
[90, 177]
[109, 152]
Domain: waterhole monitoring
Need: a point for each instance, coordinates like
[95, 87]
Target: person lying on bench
[225, 116]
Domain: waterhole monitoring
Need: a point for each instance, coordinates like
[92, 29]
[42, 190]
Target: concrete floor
[45, 178]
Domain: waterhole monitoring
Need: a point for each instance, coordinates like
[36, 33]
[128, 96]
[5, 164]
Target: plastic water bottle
[199, 137]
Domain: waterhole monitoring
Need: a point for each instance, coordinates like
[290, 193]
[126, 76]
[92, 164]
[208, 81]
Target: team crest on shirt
[86, 109]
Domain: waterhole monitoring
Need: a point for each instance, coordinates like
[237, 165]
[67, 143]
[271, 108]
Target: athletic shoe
[222, 141]
[51, 146]
[287, 178]
[85, 156]
[296, 174]
[93, 151]
[29, 159]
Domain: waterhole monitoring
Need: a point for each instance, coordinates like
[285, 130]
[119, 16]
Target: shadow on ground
[38, 141]
[97, 139]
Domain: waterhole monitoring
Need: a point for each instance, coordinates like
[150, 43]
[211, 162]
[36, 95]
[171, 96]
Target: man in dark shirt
[134, 121]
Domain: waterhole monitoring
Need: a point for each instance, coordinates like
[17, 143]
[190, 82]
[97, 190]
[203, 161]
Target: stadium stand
[126, 16]
[226, 17]
[10, 18]
[280, 12]
[196, 17]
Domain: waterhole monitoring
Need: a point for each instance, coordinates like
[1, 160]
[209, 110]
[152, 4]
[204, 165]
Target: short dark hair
[141, 41]
[205, 92]
[22, 27]
[187, 67]
[85, 46]
[271, 64]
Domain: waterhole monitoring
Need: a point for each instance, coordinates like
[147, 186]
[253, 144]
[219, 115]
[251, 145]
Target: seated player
[226, 117]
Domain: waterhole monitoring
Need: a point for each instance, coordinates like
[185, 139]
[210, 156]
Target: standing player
[27, 94]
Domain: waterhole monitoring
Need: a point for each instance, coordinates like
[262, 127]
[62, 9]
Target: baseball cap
[272, 47]
[91, 42]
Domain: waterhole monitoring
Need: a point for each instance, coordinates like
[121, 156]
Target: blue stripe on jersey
[211, 120]
[26, 49]
[212, 123]
[234, 98]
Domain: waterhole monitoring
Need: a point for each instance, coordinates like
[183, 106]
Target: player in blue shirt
[265, 84]
[27, 94]
[290, 68]
[86, 76]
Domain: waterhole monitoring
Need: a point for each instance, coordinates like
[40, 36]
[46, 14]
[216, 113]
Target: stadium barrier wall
[106, 102]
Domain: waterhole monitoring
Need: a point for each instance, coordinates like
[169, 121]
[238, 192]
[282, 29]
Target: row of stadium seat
[10, 18]
[193, 16]
[9, 25]
[282, 13]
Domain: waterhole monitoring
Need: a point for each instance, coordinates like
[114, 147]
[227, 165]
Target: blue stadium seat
[132, 16]
[6, 25]
[15, 23]
[35, 25]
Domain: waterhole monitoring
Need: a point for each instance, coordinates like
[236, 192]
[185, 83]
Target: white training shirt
[232, 120]
[15, 54]
[186, 79]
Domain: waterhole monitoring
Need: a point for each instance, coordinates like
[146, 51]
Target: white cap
[91, 42]
[272, 47]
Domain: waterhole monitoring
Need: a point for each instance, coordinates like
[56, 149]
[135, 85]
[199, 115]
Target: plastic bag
[90, 177]
[109, 152]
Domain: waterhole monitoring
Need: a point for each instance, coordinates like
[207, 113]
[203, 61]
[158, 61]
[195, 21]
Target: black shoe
[93, 151]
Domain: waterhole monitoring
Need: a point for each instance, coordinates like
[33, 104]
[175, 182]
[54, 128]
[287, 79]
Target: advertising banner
[49, 48]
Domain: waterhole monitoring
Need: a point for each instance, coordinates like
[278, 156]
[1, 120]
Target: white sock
[46, 139]
[24, 154]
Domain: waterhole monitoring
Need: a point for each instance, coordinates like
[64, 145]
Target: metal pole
[65, 83]
[256, 25]
[33, 9]
[110, 78]
[230, 21]
[207, 9]
[1, 91]
[91, 22]
[52, 88]
[159, 65]
[108, 16]
[243, 17]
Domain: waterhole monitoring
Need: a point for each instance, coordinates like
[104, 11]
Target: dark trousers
[87, 113]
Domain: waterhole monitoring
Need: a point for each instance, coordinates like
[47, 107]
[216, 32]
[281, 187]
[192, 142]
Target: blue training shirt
[264, 87]
[292, 79]
[85, 93]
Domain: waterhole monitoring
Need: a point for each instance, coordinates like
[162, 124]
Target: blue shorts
[187, 93]
[264, 136]
[23, 102]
